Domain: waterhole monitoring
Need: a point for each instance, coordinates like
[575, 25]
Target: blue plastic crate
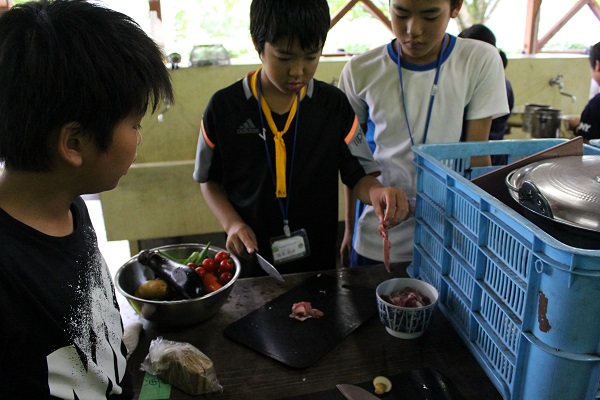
[525, 304]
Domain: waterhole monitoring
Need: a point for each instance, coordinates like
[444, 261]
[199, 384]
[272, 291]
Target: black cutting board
[418, 384]
[269, 330]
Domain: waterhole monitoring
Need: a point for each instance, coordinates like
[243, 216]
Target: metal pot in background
[528, 115]
[546, 123]
[203, 55]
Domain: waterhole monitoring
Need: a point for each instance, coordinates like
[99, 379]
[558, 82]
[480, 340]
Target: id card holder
[289, 248]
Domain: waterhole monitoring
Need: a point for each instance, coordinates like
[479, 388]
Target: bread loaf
[182, 365]
[187, 370]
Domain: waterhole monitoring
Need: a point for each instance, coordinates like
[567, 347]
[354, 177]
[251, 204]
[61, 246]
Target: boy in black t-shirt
[76, 80]
[273, 146]
[589, 123]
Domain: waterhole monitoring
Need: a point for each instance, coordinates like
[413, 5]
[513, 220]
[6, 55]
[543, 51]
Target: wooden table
[367, 352]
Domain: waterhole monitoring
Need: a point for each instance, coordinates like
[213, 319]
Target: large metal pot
[562, 196]
[528, 113]
[546, 123]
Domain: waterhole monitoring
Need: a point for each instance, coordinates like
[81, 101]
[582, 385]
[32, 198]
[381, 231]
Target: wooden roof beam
[376, 12]
[562, 22]
[341, 12]
[371, 8]
[595, 8]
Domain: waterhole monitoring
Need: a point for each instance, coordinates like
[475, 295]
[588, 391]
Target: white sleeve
[489, 96]
[346, 85]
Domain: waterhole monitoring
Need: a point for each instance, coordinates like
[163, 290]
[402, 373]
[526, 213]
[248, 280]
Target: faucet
[557, 81]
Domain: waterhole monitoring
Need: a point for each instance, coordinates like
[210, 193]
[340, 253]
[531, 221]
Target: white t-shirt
[471, 78]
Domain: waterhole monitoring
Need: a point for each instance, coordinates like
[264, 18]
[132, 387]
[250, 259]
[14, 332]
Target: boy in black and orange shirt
[273, 146]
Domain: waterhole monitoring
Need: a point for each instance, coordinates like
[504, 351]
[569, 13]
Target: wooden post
[155, 6]
[531, 26]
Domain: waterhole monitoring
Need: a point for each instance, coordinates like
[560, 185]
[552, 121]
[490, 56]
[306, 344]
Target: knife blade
[268, 267]
[352, 392]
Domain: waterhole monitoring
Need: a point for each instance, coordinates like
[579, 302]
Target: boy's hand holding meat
[390, 204]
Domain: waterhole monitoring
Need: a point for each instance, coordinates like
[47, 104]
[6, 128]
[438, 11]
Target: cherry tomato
[225, 277]
[201, 271]
[220, 256]
[226, 265]
[211, 283]
[192, 265]
[209, 264]
[213, 287]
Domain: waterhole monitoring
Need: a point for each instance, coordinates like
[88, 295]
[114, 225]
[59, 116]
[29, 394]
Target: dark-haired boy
[277, 193]
[589, 122]
[76, 80]
[416, 90]
[498, 127]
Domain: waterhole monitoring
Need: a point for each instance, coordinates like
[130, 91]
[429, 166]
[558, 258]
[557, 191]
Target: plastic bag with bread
[182, 365]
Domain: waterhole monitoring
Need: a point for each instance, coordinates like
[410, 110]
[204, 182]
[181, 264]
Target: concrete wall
[159, 199]
[529, 77]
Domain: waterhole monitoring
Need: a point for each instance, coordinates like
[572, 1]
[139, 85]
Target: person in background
[76, 81]
[273, 145]
[5, 5]
[415, 90]
[589, 122]
[594, 87]
[498, 128]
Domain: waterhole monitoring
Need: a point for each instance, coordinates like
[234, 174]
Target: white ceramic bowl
[405, 322]
[176, 312]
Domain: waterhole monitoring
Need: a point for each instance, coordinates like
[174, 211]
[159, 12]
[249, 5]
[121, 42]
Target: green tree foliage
[359, 10]
[226, 22]
[475, 12]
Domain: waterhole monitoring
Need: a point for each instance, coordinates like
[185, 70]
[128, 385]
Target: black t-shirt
[589, 125]
[317, 156]
[61, 330]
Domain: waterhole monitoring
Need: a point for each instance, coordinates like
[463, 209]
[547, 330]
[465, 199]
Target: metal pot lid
[565, 189]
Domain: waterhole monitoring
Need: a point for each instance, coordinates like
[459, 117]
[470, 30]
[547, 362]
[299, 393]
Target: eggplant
[184, 281]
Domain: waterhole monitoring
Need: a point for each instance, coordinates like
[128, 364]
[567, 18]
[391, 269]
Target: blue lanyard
[283, 208]
[433, 91]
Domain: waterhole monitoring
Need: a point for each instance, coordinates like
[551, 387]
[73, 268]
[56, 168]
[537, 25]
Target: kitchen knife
[268, 267]
[352, 392]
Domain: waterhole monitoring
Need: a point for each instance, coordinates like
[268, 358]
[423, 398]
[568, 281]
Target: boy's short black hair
[594, 54]
[65, 61]
[504, 58]
[479, 32]
[274, 20]
[484, 34]
[453, 4]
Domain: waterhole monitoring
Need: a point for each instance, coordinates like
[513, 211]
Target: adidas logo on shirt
[247, 128]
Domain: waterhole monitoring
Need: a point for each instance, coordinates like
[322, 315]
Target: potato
[154, 289]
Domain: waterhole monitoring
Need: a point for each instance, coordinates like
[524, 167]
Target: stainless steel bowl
[178, 312]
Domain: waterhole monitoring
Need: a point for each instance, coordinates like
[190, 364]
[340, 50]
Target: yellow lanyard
[280, 153]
